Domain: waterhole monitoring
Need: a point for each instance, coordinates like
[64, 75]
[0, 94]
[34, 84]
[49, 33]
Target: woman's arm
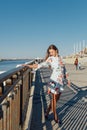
[33, 66]
[37, 66]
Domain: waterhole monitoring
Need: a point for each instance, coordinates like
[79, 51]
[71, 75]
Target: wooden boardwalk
[71, 108]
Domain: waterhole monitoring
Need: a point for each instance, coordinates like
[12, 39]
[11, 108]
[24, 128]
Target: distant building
[85, 51]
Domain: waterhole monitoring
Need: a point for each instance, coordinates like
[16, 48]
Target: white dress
[56, 79]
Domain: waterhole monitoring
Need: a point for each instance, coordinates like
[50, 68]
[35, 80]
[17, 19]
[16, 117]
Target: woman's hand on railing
[33, 66]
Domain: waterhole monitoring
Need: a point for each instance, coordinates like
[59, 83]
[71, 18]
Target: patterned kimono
[58, 76]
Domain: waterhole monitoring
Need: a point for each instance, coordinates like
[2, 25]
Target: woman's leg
[52, 105]
[55, 99]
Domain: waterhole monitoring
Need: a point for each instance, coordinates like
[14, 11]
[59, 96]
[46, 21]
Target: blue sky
[28, 27]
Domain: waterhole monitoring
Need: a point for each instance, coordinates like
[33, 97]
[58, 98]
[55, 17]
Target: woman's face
[52, 52]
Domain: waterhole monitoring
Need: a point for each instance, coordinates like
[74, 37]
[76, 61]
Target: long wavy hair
[51, 47]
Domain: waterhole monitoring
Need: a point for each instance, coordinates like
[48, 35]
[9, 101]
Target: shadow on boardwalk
[71, 108]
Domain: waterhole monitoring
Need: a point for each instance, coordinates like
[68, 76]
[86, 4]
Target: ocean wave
[2, 72]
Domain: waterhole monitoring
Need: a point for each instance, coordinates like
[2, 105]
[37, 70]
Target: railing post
[1, 118]
[1, 89]
[10, 111]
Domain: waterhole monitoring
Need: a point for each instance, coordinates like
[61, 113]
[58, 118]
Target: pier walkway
[24, 99]
[71, 108]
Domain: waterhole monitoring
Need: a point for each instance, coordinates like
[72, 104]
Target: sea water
[11, 64]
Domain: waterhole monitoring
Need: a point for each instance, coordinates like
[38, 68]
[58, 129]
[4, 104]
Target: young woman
[55, 85]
